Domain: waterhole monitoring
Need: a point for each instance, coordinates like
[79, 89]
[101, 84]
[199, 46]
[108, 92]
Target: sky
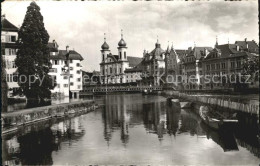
[82, 25]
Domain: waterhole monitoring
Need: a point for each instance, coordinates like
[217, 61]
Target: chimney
[2, 17]
[237, 47]
[190, 48]
[245, 39]
[67, 48]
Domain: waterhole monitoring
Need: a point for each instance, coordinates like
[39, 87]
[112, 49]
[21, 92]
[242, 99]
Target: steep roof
[73, 55]
[156, 53]
[52, 47]
[8, 26]
[198, 52]
[252, 46]
[227, 49]
[133, 61]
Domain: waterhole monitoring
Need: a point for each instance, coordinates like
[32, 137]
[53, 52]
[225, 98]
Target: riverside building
[9, 36]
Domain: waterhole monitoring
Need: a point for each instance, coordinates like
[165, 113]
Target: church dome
[105, 46]
[122, 43]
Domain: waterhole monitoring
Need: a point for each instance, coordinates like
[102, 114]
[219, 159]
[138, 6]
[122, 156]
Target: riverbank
[226, 102]
[12, 120]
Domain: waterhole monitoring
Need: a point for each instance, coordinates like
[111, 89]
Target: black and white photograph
[120, 82]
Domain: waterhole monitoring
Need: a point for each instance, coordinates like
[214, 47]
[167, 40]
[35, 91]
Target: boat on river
[185, 104]
[214, 119]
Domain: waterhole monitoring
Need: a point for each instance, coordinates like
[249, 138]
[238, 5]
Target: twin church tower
[112, 67]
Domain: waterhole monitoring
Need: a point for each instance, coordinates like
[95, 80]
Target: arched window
[103, 57]
[125, 55]
[120, 55]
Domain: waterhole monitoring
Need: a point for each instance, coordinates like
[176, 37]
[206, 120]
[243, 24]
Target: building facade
[227, 60]
[153, 66]
[66, 71]
[113, 67]
[9, 36]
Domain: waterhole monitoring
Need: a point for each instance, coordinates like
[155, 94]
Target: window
[120, 70]
[71, 75]
[125, 55]
[208, 67]
[71, 68]
[53, 70]
[218, 66]
[120, 55]
[65, 77]
[71, 61]
[78, 64]
[78, 79]
[15, 78]
[13, 38]
[223, 65]
[110, 70]
[3, 51]
[115, 70]
[56, 62]
[238, 64]
[58, 85]
[79, 86]
[78, 71]
[71, 83]
[232, 64]
[103, 57]
[11, 77]
[65, 85]
[212, 66]
[13, 64]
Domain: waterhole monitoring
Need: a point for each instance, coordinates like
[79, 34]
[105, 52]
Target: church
[113, 67]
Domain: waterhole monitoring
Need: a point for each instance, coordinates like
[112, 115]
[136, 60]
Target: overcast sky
[82, 25]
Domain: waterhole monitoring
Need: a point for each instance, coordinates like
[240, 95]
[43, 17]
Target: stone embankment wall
[225, 103]
[12, 120]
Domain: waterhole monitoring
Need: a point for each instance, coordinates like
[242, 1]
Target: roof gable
[8, 26]
[133, 61]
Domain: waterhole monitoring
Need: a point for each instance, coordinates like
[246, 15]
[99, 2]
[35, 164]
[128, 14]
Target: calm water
[130, 129]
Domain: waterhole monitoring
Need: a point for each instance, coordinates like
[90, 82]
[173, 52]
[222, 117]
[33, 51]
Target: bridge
[109, 89]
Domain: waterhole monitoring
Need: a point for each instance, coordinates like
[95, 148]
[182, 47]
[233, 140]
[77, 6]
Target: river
[130, 129]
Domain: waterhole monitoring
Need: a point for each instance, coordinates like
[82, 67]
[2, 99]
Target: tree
[33, 56]
[4, 87]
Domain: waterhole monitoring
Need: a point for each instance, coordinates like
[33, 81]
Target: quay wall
[224, 103]
[12, 120]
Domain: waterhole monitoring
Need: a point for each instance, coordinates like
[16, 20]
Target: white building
[66, 70]
[9, 35]
[113, 67]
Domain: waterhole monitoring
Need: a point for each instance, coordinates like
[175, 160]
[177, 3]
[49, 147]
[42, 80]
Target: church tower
[122, 49]
[104, 49]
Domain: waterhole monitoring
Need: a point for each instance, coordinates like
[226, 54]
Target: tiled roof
[133, 61]
[252, 46]
[227, 49]
[7, 26]
[156, 53]
[62, 55]
[198, 52]
[52, 47]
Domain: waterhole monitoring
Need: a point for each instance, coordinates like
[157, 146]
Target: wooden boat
[214, 119]
[185, 104]
[175, 100]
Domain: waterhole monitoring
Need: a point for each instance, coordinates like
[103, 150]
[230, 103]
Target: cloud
[82, 25]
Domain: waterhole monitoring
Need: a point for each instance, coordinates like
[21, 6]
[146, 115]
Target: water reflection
[34, 145]
[130, 127]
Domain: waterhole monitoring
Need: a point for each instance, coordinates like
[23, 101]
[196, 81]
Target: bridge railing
[118, 89]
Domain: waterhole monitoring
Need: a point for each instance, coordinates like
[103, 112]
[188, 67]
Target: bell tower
[122, 49]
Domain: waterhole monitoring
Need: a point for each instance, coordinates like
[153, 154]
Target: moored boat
[185, 104]
[215, 120]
